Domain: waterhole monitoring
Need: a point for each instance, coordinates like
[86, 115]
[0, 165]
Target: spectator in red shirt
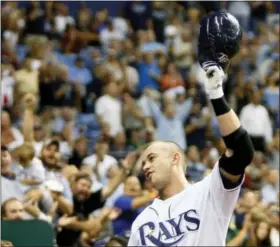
[171, 81]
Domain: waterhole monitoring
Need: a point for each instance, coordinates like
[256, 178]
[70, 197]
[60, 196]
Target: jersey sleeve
[224, 200]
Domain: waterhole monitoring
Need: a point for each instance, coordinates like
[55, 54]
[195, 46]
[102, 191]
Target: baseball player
[198, 214]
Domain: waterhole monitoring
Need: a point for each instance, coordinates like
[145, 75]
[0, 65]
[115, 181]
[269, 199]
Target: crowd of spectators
[80, 93]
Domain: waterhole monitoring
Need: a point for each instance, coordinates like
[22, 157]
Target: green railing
[28, 233]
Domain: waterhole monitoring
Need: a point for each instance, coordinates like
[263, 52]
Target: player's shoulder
[212, 174]
[204, 183]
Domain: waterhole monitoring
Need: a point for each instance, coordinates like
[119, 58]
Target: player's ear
[176, 158]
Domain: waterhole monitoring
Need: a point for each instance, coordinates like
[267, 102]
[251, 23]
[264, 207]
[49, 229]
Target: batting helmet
[219, 38]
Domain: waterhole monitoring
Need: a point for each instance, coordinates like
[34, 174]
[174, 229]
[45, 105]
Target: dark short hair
[82, 175]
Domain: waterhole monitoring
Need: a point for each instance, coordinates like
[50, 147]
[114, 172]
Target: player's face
[14, 211]
[157, 165]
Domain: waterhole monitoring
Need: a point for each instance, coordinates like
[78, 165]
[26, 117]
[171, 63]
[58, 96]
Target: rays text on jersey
[169, 232]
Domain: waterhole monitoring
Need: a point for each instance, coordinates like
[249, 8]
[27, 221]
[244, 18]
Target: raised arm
[28, 118]
[155, 110]
[184, 111]
[214, 52]
[126, 167]
[113, 184]
[240, 151]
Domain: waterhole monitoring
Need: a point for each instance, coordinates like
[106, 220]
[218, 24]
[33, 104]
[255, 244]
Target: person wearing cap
[49, 157]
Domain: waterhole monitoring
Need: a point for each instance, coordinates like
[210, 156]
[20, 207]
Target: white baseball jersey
[197, 216]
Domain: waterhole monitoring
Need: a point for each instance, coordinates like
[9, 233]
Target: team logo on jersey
[169, 232]
[223, 58]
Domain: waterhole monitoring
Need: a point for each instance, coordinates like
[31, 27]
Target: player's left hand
[214, 85]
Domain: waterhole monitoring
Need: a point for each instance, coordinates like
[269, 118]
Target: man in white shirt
[198, 214]
[109, 109]
[102, 168]
[100, 165]
[255, 119]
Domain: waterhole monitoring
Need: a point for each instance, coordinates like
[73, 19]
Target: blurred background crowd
[83, 84]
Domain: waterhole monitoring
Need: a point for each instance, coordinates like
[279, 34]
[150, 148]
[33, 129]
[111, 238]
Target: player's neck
[175, 187]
